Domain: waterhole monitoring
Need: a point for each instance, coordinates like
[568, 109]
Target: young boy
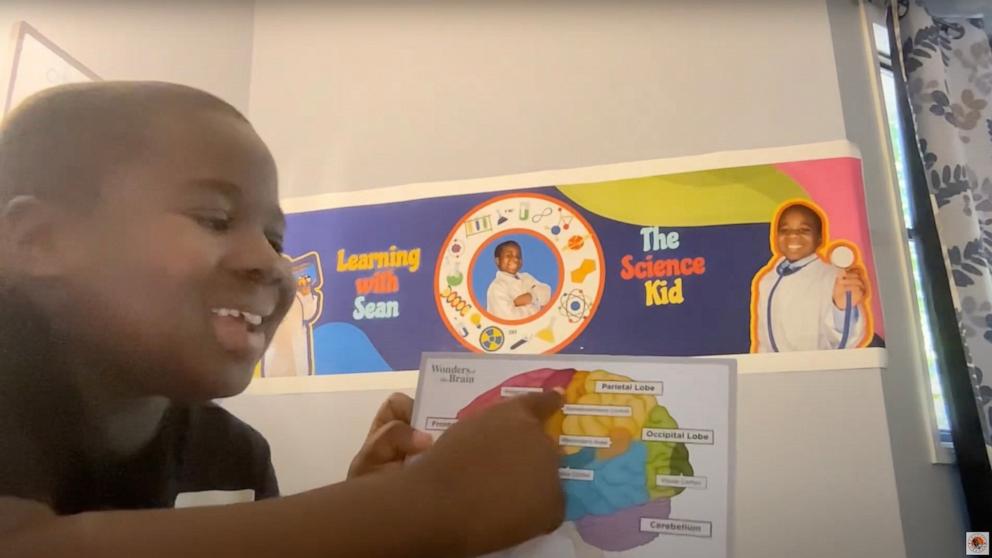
[140, 277]
[514, 294]
[802, 300]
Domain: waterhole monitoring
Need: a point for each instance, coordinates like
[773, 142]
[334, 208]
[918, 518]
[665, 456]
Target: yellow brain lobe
[621, 429]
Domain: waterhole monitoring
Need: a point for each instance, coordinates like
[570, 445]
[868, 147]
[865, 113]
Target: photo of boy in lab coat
[290, 352]
[802, 299]
[514, 294]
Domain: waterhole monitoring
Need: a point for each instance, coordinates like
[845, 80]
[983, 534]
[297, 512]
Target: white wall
[353, 95]
[201, 44]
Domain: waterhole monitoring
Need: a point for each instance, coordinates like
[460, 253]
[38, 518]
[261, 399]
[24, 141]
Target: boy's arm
[836, 316]
[310, 304]
[541, 292]
[832, 327]
[490, 482]
[379, 515]
[500, 303]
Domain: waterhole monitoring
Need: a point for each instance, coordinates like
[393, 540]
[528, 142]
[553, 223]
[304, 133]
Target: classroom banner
[754, 251]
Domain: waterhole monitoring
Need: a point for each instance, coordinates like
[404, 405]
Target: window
[896, 135]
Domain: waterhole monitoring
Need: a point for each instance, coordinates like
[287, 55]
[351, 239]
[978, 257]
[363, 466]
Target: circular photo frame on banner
[520, 273]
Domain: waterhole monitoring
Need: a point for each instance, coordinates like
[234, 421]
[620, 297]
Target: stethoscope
[841, 257]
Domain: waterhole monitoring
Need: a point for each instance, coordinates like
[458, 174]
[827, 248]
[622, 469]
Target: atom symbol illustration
[574, 305]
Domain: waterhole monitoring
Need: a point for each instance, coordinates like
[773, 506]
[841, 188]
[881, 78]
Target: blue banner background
[714, 319]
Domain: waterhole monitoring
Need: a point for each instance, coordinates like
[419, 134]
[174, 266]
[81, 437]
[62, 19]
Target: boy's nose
[255, 258]
[268, 275]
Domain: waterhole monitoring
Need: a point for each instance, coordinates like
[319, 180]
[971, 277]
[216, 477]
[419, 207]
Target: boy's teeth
[253, 319]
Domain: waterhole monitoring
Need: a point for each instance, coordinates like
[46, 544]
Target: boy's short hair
[813, 214]
[60, 144]
[506, 244]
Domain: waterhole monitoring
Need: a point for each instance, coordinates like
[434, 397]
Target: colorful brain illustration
[609, 473]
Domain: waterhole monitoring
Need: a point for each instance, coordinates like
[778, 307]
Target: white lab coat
[289, 352]
[803, 315]
[505, 288]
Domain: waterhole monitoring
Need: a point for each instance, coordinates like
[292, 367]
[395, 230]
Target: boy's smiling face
[175, 278]
[798, 235]
[510, 259]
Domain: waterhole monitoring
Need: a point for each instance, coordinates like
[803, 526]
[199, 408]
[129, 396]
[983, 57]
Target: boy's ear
[29, 236]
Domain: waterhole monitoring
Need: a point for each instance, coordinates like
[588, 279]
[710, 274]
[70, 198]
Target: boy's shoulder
[214, 450]
[200, 450]
[528, 278]
[499, 278]
[210, 419]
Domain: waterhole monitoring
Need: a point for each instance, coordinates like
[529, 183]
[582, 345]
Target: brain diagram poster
[754, 251]
[646, 445]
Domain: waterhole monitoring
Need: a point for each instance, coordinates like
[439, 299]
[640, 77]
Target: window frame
[942, 449]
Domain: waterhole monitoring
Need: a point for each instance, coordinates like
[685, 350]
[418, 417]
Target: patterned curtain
[948, 75]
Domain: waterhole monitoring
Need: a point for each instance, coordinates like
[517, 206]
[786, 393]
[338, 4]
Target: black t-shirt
[198, 448]
[43, 446]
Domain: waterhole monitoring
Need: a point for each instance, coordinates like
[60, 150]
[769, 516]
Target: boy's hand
[391, 439]
[494, 476]
[523, 300]
[303, 286]
[850, 280]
